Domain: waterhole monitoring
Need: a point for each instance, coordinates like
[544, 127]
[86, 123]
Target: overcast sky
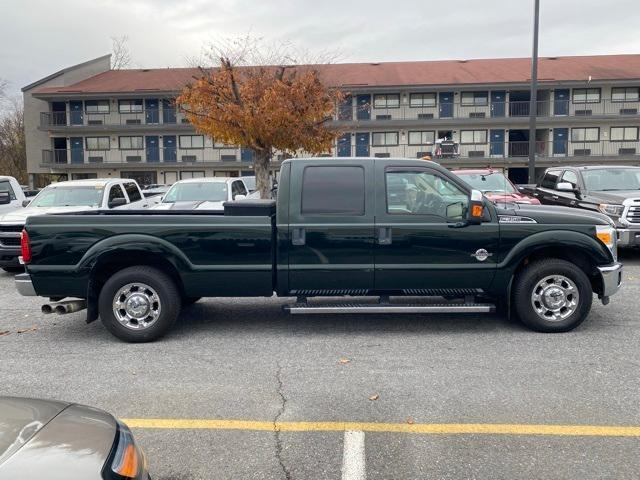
[39, 37]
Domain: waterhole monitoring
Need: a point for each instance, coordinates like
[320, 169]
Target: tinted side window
[333, 190]
[6, 187]
[133, 192]
[570, 177]
[115, 192]
[237, 188]
[550, 179]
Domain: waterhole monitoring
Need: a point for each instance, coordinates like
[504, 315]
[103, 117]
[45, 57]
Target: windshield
[488, 182]
[74, 196]
[197, 192]
[612, 179]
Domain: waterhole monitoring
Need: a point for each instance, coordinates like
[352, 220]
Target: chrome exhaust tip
[47, 309]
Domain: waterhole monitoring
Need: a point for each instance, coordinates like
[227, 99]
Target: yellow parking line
[423, 428]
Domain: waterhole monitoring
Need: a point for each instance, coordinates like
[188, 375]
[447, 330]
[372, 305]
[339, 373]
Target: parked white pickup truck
[208, 193]
[64, 197]
[11, 195]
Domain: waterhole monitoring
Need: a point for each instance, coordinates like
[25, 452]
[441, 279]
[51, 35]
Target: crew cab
[495, 186]
[407, 232]
[612, 190]
[70, 196]
[208, 193]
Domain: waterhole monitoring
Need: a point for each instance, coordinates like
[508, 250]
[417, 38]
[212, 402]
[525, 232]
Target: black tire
[13, 269]
[529, 280]
[190, 300]
[168, 305]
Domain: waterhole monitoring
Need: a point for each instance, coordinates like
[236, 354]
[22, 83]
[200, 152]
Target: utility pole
[533, 98]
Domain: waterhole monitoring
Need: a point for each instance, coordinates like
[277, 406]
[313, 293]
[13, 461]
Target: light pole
[533, 97]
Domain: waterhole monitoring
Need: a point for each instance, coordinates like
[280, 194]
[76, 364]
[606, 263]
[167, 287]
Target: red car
[495, 186]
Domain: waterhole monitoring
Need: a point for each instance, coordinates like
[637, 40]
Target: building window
[97, 143]
[417, 100]
[96, 106]
[625, 94]
[384, 138]
[388, 100]
[622, 134]
[130, 143]
[590, 134]
[333, 191]
[425, 137]
[474, 98]
[473, 136]
[586, 95]
[191, 141]
[130, 106]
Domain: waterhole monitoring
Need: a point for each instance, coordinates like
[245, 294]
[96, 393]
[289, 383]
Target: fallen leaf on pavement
[26, 330]
[410, 421]
[343, 361]
[374, 397]
[4, 332]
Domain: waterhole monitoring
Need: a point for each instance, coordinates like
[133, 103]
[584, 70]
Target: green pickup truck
[407, 232]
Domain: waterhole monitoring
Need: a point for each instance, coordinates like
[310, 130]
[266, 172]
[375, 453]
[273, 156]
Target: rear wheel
[552, 295]
[139, 304]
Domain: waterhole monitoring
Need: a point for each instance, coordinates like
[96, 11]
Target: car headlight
[609, 209]
[127, 461]
[607, 235]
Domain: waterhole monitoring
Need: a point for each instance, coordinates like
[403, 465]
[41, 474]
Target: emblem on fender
[481, 255]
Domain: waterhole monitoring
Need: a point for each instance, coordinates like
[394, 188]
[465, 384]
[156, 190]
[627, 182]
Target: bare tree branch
[120, 54]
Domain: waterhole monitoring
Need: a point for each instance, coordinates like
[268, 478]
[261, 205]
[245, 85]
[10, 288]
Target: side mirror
[25, 203]
[476, 208]
[5, 198]
[239, 197]
[566, 187]
[117, 202]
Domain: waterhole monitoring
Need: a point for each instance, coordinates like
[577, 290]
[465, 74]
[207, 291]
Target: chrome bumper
[611, 279]
[24, 285]
[628, 238]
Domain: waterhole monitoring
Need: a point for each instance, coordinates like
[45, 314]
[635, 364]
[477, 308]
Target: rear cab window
[115, 192]
[550, 179]
[133, 192]
[333, 190]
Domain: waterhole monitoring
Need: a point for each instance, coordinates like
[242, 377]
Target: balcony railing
[164, 116]
[515, 109]
[490, 150]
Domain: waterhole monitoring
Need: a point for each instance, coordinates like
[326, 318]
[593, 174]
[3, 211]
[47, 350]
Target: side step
[303, 308]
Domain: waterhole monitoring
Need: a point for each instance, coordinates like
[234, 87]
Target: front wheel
[552, 295]
[139, 304]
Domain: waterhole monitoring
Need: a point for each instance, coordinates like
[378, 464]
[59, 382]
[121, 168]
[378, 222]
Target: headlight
[607, 235]
[608, 209]
[127, 461]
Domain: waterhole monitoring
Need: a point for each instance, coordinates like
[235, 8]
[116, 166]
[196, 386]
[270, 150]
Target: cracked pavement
[246, 359]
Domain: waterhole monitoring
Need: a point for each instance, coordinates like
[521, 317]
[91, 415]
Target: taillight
[25, 247]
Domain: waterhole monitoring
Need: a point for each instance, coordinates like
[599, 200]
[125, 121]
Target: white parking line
[353, 459]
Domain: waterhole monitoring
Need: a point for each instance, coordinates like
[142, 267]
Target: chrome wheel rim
[555, 298]
[136, 306]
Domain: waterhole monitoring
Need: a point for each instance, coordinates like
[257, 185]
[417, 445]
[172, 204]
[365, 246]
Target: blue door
[496, 139]
[446, 104]
[344, 145]
[152, 113]
[560, 138]
[168, 112]
[498, 98]
[169, 147]
[77, 117]
[246, 155]
[561, 102]
[77, 149]
[362, 144]
[363, 103]
[152, 145]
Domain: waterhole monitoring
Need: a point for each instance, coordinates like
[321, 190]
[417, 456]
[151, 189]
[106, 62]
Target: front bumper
[611, 279]
[24, 285]
[628, 238]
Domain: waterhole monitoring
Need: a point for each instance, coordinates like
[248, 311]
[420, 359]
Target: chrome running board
[304, 308]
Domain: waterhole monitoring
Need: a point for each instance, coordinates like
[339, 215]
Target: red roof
[441, 72]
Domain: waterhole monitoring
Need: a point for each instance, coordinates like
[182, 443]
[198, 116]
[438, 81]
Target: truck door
[331, 227]
[568, 199]
[418, 249]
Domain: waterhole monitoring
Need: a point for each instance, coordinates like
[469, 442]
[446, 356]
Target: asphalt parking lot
[204, 401]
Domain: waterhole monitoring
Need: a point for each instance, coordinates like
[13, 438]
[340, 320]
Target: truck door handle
[384, 236]
[298, 236]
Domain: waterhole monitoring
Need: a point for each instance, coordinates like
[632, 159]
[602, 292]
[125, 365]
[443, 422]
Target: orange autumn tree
[268, 109]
